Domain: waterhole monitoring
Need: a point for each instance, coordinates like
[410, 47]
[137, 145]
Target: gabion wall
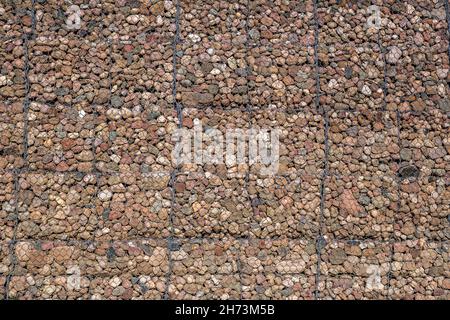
[92, 207]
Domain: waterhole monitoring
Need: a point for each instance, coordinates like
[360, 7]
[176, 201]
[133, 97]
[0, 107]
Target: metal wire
[173, 242]
[33, 19]
[26, 104]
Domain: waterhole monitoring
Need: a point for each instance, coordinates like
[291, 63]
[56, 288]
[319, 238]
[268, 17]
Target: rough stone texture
[425, 142]
[12, 66]
[88, 185]
[209, 205]
[5, 260]
[210, 19]
[272, 286]
[114, 20]
[205, 270]
[360, 207]
[143, 287]
[92, 258]
[283, 256]
[15, 18]
[68, 70]
[424, 204]
[281, 76]
[29, 286]
[108, 270]
[417, 77]
[301, 141]
[134, 140]
[205, 256]
[8, 207]
[421, 288]
[420, 270]
[216, 122]
[417, 61]
[278, 269]
[56, 206]
[285, 207]
[350, 287]
[205, 287]
[351, 77]
[152, 21]
[424, 209]
[287, 23]
[2, 287]
[211, 56]
[363, 143]
[11, 141]
[133, 205]
[54, 19]
[211, 198]
[60, 137]
[418, 258]
[211, 72]
[355, 270]
[345, 22]
[416, 22]
[32, 287]
[141, 74]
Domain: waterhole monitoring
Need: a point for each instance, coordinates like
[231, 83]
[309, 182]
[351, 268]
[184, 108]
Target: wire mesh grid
[69, 259]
